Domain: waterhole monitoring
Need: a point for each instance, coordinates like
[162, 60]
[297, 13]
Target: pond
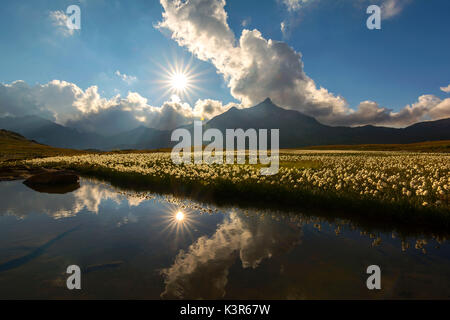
[141, 245]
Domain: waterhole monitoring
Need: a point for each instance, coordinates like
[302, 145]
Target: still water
[132, 245]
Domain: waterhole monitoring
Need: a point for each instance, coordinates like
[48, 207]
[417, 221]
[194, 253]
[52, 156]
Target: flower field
[405, 181]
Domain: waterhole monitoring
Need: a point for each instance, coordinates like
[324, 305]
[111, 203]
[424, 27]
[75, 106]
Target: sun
[180, 79]
[179, 82]
[178, 222]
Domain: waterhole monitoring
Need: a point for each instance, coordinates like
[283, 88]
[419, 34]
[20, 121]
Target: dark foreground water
[146, 246]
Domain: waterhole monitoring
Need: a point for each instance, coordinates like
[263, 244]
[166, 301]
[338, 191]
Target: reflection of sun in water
[179, 216]
[178, 223]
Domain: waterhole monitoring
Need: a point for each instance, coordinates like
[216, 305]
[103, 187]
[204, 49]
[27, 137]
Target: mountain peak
[267, 104]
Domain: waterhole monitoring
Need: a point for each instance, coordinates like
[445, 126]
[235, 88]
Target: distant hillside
[50, 133]
[14, 146]
[430, 146]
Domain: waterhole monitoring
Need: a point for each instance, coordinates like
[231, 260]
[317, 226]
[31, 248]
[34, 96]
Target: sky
[164, 63]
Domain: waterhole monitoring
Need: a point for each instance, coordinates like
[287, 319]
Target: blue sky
[407, 58]
[114, 35]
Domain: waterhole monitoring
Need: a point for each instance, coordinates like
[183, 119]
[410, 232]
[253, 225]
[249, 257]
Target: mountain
[296, 130]
[299, 130]
[50, 133]
[140, 138]
[10, 136]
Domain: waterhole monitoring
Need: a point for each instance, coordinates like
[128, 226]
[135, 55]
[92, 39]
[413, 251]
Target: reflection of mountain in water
[20, 201]
[202, 271]
[15, 263]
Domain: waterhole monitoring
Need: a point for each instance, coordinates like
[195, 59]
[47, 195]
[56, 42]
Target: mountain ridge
[296, 130]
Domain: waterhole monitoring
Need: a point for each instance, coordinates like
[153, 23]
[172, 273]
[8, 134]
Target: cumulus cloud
[59, 20]
[67, 104]
[255, 67]
[250, 240]
[133, 111]
[57, 100]
[446, 89]
[126, 78]
[427, 107]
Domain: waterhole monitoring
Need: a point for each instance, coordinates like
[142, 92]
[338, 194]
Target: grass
[401, 214]
[442, 146]
[14, 147]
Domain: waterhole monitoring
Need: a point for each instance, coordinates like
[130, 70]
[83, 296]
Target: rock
[52, 178]
[53, 182]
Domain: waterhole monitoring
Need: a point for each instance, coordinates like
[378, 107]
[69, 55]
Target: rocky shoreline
[40, 179]
[37, 175]
[19, 172]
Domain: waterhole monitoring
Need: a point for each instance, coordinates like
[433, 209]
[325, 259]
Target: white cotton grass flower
[387, 176]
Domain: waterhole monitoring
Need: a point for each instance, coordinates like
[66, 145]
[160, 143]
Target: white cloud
[293, 7]
[211, 257]
[59, 20]
[253, 66]
[126, 78]
[89, 197]
[427, 107]
[391, 8]
[446, 89]
[256, 68]
[67, 104]
[246, 22]
[283, 27]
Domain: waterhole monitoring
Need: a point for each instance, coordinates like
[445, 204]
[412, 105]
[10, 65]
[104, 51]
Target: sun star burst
[179, 79]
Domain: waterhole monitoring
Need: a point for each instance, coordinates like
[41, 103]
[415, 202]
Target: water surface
[133, 245]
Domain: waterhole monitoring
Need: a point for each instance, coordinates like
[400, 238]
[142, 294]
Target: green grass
[14, 147]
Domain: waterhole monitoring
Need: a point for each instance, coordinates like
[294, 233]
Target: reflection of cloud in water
[90, 196]
[19, 200]
[202, 271]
